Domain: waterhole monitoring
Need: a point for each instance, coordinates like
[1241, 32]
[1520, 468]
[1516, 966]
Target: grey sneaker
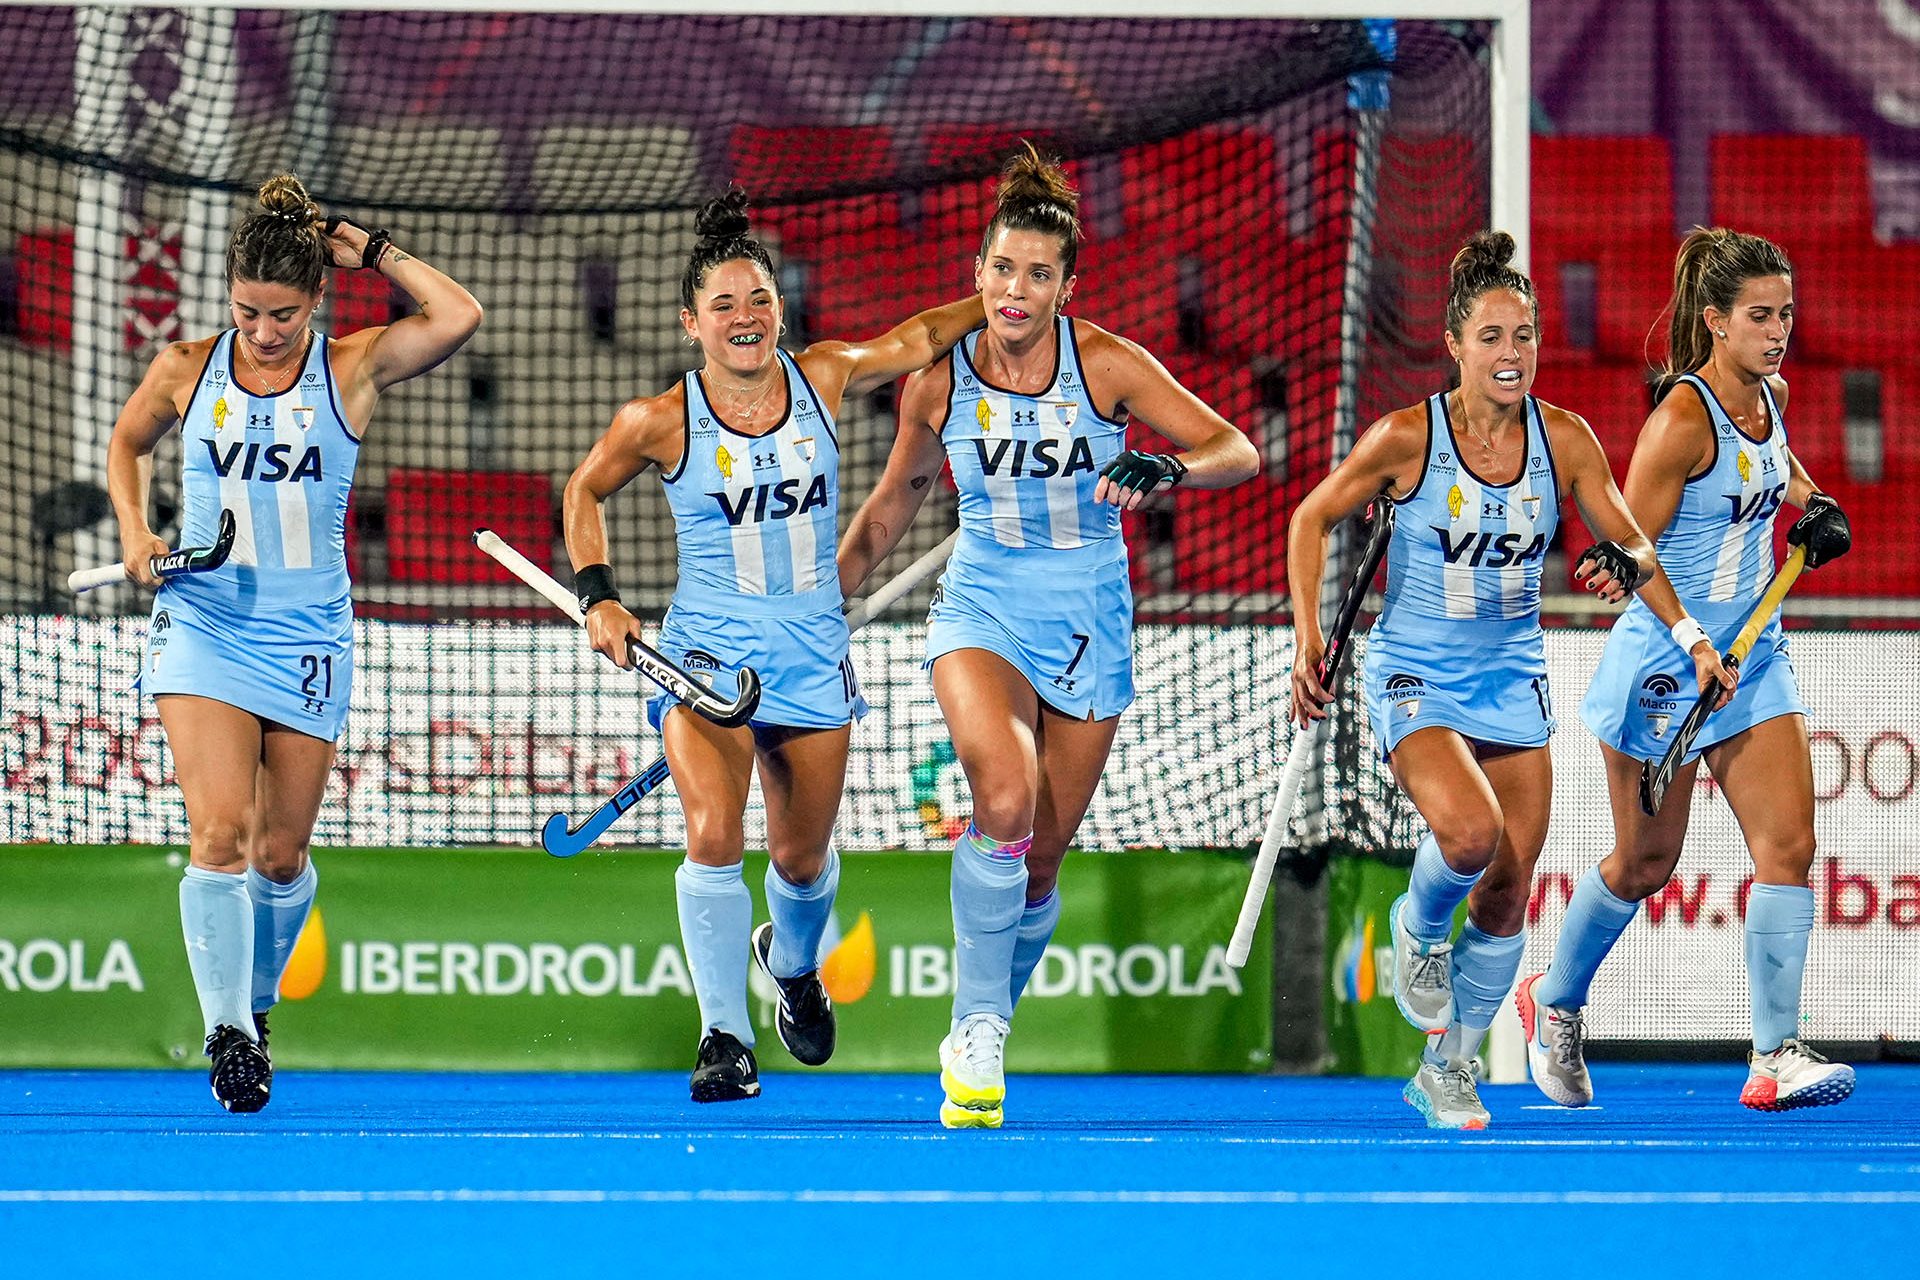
[1447, 1094]
[1556, 1056]
[1422, 976]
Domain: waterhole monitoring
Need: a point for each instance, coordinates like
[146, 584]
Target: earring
[691, 340]
[1723, 335]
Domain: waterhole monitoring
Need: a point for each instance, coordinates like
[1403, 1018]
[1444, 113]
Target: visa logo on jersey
[1759, 507]
[265, 461]
[763, 502]
[1489, 550]
[1036, 458]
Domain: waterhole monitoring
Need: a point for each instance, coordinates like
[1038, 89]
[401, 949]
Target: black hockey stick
[563, 841]
[647, 660]
[1655, 779]
[1306, 739]
[171, 565]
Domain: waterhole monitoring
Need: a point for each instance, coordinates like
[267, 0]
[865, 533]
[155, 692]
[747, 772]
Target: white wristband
[1688, 632]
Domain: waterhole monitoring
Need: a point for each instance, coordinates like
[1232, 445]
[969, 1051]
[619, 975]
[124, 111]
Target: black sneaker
[726, 1071]
[805, 1021]
[242, 1075]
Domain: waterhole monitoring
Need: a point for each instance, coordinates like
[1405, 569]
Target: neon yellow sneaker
[973, 1072]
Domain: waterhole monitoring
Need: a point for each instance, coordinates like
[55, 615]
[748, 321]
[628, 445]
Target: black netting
[1271, 208]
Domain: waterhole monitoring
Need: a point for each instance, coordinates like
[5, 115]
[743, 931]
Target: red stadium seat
[1280, 299]
[1131, 286]
[1817, 419]
[774, 164]
[1330, 185]
[357, 300]
[431, 516]
[43, 266]
[1798, 190]
[962, 208]
[1899, 426]
[1194, 187]
[1231, 539]
[855, 305]
[827, 231]
[1592, 191]
[1229, 387]
[1856, 305]
[1632, 283]
[1613, 398]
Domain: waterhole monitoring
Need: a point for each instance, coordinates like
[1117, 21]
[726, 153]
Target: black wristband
[377, 243]
[593, 584]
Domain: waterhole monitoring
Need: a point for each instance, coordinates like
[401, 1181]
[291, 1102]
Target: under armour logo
[259, 420]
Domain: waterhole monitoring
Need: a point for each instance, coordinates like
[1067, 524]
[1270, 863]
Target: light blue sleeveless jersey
[1026, 467]
[1465, 550]
[1718, 551]
[1458, 642]
[271, 630]
[1718, 548]
[757, 518]
[283, 464]
[1039, 576]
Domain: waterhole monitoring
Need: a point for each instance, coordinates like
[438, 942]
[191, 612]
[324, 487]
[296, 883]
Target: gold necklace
[1485, 440]
[273, 388]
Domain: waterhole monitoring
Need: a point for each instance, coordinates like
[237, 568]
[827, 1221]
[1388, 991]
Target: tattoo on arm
[397, 256]
[933, 336]
[920, 482]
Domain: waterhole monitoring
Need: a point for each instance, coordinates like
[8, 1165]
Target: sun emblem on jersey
[219, 413]
[723, 460]
[804, 447]
[983, 413]
[1455, 500]
[1743, 464]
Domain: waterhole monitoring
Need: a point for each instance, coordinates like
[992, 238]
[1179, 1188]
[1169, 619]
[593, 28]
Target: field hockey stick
[563, 840]
[1655, 779]
[1306, 739]
[171, 565]
[647, 660]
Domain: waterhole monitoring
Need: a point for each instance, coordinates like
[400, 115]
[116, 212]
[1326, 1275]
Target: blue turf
[352, 1174]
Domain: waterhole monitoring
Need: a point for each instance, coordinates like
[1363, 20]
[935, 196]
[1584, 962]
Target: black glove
[1145, 472]
[1823, 530]
[1611, 556]
[377, 241]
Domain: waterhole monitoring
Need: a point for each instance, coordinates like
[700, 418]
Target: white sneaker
[973, 1072]
[1794, 1076]
[1556, 1056]
[1447, 1094]
[1422, 976]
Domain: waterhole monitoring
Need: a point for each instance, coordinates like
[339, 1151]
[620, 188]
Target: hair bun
[1485, 249]
[285, 196]
[723, 218]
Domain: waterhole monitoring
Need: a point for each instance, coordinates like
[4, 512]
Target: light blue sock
[1484, 968]
[1595, 920]
[716, 917]
[216, 917]
[800, 913]
[989, 897]
[1779, 923]
[1031, 938]
[279, 913]
[1434, 892]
